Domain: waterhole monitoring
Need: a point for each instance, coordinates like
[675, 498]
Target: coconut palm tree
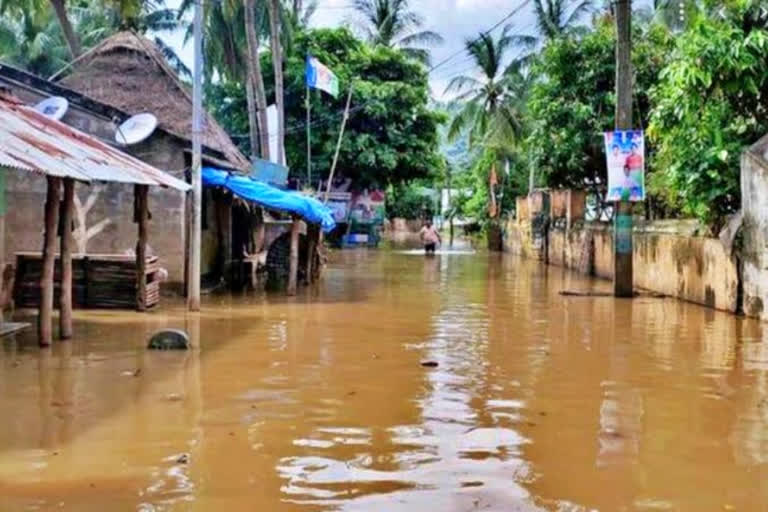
[32, 42]
[300, 13]
[391, 23]
[36, 10]
[276, 43]
[556, 17]
[490, 103]
[256, 93]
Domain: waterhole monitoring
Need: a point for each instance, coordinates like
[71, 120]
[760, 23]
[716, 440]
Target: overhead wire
[335, 116]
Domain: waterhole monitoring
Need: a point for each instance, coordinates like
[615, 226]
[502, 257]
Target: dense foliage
[410, 201]
[573, 101]
[391, 134]
[708, 105]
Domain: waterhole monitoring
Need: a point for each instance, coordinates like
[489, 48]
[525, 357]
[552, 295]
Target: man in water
[429, 237]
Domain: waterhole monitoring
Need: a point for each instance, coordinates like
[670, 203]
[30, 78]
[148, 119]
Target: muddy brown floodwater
[321, 403]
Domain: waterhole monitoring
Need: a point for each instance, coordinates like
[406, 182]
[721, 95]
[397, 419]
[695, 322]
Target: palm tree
[233, 33]
[556, 17]
[73, 41]
[391, 23]
[300, 13]
[35, 10]
[32, 42]
[489, 106]
[275, 10]
[256, 93]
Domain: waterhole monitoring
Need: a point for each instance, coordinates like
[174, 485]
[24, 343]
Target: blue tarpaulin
[309, 208]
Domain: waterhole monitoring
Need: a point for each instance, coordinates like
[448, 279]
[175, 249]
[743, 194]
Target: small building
[124, 75]
[36, 145]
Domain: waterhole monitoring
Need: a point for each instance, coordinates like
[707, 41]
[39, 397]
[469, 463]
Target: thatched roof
[129, 72]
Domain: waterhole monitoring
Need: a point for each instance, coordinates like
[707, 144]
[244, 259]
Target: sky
[455, 20]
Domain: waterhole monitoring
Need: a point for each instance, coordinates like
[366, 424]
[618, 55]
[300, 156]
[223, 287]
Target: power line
[497, 25]
[334, 116]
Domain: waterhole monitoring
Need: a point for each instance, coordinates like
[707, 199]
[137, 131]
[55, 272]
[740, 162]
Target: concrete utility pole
[622, 230]
[193, 295]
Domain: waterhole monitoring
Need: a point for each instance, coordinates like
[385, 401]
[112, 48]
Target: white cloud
[455, 20]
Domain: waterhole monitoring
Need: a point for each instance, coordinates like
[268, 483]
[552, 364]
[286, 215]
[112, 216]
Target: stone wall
[668, 258]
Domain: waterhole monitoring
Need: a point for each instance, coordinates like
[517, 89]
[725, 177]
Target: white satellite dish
[54, 107]
[135, 129]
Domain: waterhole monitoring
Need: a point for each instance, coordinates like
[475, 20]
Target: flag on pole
[320, 77]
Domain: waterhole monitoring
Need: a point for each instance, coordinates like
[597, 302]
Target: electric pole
[193, 295]
[622, 229]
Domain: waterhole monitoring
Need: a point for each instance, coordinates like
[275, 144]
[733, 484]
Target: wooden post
[65, 297]
[294, 258]
[45, 314]
[622, 230]
[312, 235]
[261, 235]
[141, 217]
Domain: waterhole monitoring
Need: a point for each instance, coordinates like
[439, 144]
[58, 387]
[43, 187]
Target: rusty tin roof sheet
[33, 142]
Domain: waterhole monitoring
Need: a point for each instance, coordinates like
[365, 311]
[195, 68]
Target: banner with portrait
[625, 158]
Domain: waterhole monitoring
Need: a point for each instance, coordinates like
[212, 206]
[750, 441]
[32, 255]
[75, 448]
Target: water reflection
[320, 402]
[462, 453]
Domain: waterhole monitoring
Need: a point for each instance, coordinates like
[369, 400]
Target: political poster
[625, 158]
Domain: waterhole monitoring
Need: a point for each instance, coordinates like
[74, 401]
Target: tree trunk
[73, 42]
[141, 199]
[45, 315]
[65, 298]
[253, 119]
[257, 79]
[293, 269]
[277, 64]
[313, 231]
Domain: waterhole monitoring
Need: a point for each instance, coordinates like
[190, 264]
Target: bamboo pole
[141, 215]
[45, 314]
[65, 297]
[294, 258]
[338, 146]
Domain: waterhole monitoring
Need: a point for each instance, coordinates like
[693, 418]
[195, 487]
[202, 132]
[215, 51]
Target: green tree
[32, 42]
[572, 101]
[557, 17]
[391, 135]
[490, 110]
[391, 23]
[709, 104]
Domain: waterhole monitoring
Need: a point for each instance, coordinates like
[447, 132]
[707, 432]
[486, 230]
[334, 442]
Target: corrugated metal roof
[33, 142]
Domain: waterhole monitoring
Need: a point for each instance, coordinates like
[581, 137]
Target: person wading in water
[429, 237]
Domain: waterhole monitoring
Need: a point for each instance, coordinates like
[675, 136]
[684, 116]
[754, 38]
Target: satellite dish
[135, 129]
[54, 107]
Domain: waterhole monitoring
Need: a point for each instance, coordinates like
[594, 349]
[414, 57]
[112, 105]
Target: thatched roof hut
[129, 72]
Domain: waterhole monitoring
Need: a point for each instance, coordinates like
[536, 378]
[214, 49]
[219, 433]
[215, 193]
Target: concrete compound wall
[666, 260]
[754, 194]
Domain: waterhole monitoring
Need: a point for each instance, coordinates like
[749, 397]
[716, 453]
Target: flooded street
[321, 402]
